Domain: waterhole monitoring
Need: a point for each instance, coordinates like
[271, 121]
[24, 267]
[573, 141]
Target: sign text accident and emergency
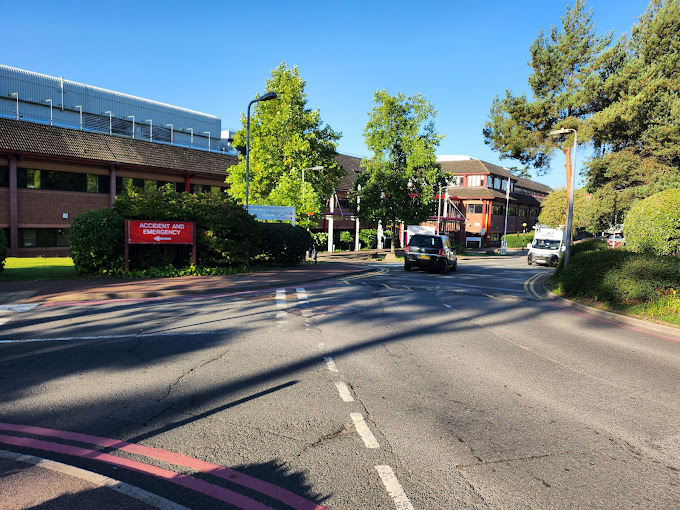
[159, 232]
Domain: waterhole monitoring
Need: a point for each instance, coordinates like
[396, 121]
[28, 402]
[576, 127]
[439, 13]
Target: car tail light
[406, 249]
[441, 252]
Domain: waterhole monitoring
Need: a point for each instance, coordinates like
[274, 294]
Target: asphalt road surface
[388, 390]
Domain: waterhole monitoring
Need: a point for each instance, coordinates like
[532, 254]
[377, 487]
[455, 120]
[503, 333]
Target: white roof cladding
[66, 95]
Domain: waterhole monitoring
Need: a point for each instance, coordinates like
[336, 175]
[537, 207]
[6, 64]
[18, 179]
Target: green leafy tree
[565, 74]
[402, 178]
[637, 133]
[554, 209]
[653, 224]
[285, 138]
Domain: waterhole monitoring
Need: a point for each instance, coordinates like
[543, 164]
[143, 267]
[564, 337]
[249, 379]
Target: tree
[285, 138]
[402, 178]
[653, 224]
[554, 209]
[637, 132]
[563, 82]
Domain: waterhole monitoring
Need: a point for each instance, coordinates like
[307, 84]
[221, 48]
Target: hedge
[652, 225]
[282, 244]
[3, 249]
[96, 241]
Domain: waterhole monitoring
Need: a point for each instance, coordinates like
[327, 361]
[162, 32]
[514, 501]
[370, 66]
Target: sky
[215, 57]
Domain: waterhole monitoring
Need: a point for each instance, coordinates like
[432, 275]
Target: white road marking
[281, 298]
[17, 308]
[394, 488]
[364, 432]
[447, 306]
[505, 289]
[281, 314]
[345, 395]
[330, 364]
[3, 321]
[301, 294]
[103, 337]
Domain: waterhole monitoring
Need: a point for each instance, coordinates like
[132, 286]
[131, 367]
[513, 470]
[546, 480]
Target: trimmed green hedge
[652, 225]
[617, 276]
[3, 249]
[515, 240]
[96, 241]
[282, 244]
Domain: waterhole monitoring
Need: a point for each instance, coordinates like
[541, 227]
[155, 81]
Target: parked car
[431, 252]
[616, 240]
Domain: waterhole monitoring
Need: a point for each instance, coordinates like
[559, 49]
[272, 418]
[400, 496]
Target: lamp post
[524, 231]
[16, 94]
[150, 121]
[570, 208]
[81, 115]
[207, 133]
[268, 96]
[192, 137]
[133, 125]
[110, 125]
[50, 101]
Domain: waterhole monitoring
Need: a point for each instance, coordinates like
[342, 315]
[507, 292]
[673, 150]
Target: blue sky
[215, 57]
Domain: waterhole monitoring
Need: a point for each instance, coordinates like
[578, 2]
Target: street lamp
[50, 101]
[268, 96]
[81, 115]
[110, 128]
[192, 137]
[171, 132]
[570, 208]
[16, 94]
[150, 121]
[133, 125]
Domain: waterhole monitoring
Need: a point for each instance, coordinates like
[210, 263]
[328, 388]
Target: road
[386, 390]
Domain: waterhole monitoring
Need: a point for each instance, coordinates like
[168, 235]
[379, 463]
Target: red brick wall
[4, 207]
[38, 208]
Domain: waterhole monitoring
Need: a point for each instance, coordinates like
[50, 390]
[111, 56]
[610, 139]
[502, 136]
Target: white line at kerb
[330, 364]
[345, 395]
[394, 488]
[364, 432]
[3, 321]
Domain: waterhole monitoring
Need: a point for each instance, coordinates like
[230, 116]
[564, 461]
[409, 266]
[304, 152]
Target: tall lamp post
[570, 208]
[266, 97]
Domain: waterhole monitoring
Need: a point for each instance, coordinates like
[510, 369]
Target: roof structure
[352, 167]
[473, 192]
[477, 166]
[27, 138]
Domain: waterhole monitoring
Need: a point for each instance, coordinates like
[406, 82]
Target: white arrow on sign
[158, 238]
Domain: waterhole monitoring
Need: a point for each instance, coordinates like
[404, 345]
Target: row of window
[500, 210]
[488, 181]
[32, 178]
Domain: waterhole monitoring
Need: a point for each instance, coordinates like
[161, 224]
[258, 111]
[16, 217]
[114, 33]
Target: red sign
[160, 232]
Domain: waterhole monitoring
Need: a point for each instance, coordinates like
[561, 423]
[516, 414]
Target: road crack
[187, 373]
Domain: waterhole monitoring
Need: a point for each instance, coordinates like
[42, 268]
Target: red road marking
[274, 491]
[213, 491]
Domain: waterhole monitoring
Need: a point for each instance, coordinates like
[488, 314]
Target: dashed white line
[345, 395]
[3, 321]
[364, 432]
[394, 488]
[330, 364]
[447, 306]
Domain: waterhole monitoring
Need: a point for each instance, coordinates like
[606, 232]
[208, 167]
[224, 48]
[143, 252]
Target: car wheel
[445, 268]
[454, 266]
[529, 260]
[407, 267]
[554, 262]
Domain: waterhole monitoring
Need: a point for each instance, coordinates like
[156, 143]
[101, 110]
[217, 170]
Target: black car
[431, 252]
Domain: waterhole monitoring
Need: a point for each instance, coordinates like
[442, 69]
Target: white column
[357, 247]
[330, 225]
[381, 240]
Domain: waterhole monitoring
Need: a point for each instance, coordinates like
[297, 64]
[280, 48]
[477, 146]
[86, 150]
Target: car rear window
[426, 242]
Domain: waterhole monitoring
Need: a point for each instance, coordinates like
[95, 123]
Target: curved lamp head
[267, 96]
[559, 132]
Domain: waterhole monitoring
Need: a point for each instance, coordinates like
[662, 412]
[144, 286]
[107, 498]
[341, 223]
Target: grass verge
[37, 268]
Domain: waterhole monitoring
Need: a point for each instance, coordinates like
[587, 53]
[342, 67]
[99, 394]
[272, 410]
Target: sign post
[159, 232]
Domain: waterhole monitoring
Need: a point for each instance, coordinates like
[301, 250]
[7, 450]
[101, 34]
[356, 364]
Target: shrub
[3, 249]
[282, 244]
[368, 237]
[653, 224]
[515, 240]
[321, 239]
[96, 241]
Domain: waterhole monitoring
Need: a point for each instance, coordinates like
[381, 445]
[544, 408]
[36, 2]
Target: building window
[475, 180]
[475, 208]
[523, 213]
[43, 237]
[498, 209]
[4, 177]
[33, 178]
[534, 213]
[512, 211]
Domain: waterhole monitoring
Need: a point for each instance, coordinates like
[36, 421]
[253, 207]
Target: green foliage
[97, 241]
[653, 225]
[564, 65]
[402, 177]
[3, 249]
[515, 240]
[282, 244]
[368, 237]
[321, 239]
[224, 230]
[286, 137]
[554, 209]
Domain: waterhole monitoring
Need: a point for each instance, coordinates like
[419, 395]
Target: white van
[547, 246]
